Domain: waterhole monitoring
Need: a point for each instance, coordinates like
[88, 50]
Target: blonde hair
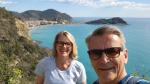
[74, 52]
[108, 29]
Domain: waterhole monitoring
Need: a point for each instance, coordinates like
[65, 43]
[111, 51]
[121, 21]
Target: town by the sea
[137, 34]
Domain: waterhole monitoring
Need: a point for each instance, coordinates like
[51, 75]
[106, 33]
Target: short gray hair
[107, 29]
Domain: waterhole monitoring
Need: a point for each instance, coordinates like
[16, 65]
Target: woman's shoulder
[46, 60]
[77, 64]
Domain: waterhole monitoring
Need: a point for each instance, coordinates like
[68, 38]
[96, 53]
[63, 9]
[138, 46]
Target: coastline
[33, 23]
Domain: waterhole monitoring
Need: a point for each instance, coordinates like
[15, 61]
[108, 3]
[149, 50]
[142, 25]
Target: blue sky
[84, 8]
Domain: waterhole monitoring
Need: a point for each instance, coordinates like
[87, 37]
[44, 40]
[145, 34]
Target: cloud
[124, 4]
[106, 3]
[4, 2]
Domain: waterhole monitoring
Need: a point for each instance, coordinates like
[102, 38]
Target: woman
[61, 68]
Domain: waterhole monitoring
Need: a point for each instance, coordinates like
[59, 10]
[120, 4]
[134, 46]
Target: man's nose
[104, 58]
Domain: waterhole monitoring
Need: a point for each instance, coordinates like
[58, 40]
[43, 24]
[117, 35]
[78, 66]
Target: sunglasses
[110, 52]
[64, 43]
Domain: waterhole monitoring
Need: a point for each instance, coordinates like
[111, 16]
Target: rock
[115, 20]
[22, 29]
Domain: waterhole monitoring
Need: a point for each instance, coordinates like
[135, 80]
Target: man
[109, 55]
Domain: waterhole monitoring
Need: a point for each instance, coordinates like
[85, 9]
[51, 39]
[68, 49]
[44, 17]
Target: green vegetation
[141, 71]
[140, 75]
[18, 54]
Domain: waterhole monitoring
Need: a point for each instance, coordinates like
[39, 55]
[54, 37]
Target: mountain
[30, 15]
[18, 53]
[115, 20]
[49, 15]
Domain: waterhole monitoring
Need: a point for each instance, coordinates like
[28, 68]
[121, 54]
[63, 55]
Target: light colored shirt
[47, 68]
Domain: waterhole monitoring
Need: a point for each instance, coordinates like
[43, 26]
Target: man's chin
[108, 79]
[107, 75]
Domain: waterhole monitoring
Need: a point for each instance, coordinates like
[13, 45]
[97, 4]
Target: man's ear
[125, 56]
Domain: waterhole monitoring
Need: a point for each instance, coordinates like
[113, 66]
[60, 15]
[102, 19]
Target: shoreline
[34, 23]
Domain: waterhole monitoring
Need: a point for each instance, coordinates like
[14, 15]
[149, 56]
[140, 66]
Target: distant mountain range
[49, 15]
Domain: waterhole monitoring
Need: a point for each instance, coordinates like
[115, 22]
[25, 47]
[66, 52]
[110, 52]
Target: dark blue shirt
[128, 79]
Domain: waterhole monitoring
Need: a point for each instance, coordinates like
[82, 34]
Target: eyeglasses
[64, 43]
[110, 52]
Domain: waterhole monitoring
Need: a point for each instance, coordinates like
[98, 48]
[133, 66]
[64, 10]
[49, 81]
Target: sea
[137, 34]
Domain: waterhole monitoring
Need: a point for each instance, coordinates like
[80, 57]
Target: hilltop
[49, 16]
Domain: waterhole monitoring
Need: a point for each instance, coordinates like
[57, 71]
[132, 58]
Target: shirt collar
[123, 81]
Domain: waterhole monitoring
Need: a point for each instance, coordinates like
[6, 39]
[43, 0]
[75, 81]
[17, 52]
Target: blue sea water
[137, 34]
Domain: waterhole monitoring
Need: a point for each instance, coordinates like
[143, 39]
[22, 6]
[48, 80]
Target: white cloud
[125, 4]
[4, 2]
[106, 3]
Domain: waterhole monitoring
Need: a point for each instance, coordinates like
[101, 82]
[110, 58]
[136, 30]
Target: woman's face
[63, 46]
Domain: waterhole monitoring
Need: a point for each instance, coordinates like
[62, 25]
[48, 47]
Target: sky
[84, 8]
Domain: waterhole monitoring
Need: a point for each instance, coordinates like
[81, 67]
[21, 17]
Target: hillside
[18, 53]
[47, 15]
[114, 20]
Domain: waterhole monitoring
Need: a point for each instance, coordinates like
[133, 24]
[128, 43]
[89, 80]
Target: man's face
[107, 68]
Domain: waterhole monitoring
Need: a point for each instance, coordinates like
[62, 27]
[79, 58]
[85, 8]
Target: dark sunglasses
[64, 43]
[110, 52]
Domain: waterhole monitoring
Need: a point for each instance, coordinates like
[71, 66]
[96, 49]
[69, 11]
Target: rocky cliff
[22, 29]
[18, 53]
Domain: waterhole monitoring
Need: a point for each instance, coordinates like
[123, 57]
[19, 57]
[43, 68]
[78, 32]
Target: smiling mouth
[105, 69]
[62, 51]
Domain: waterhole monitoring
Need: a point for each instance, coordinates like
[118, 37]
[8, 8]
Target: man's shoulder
[136, 80]
[130, 80]
[143, 81]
